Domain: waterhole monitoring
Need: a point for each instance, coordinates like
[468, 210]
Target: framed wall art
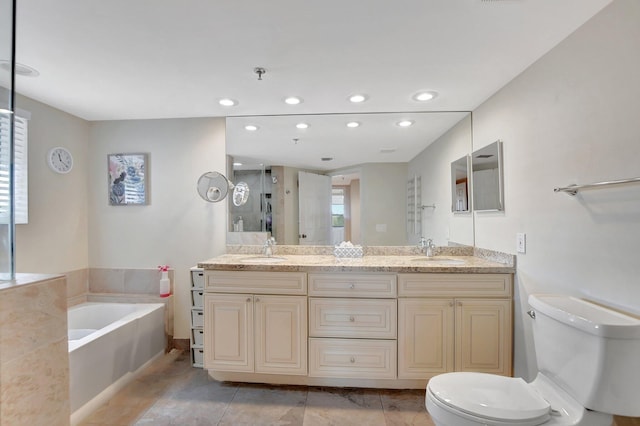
[128, 179]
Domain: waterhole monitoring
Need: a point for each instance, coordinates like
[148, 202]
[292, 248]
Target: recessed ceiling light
[405, 123]
[353, 124]
[20, 69]
[251, 127]
[302, 126]
[227, 102]
[357, 98]
[293, 100]
[424, 96]
[236, 164]
[387, 150]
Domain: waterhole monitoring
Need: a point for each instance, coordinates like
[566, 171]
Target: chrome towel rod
[573, 189]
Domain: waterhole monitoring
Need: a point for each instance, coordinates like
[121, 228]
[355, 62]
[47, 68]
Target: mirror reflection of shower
[214, 187]
[255, 215]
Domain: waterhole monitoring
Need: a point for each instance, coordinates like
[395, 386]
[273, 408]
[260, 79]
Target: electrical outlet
[521, 242]
[381, 227]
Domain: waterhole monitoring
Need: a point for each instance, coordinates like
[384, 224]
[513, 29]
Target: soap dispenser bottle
[165, 284]
[240, 224]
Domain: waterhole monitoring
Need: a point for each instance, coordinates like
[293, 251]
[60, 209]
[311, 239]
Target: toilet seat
[504, 400]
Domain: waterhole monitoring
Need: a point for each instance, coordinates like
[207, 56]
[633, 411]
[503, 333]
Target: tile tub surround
[126, 281]
[34, 358]
[121, 286]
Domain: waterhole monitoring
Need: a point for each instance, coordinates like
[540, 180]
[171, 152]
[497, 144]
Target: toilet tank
[590, 351]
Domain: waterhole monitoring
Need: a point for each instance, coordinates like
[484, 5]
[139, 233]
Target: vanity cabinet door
[228, 340]
[425, 337]
[281, 334]
[275, 326]
[483, 335]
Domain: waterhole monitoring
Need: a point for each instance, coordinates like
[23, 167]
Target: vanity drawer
[352, 358]
[455, 285]
[294, 283]
[353, 285]
[357, 318]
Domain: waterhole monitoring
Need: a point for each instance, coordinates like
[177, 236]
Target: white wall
[177, 228]
[56, 237]
[433, 164]
[572, 117]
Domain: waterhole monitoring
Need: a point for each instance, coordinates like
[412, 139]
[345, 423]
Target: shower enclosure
[7, 68]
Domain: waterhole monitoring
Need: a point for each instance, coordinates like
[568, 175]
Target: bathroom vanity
[376, 321]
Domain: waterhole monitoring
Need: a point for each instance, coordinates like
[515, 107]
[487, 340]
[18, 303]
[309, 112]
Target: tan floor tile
[405, 407]
[171, 392]
[266, 405]
[344, 407]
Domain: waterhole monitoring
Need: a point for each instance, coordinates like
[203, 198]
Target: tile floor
[171, 392]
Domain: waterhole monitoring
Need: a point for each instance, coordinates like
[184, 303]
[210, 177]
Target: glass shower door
[7, 215]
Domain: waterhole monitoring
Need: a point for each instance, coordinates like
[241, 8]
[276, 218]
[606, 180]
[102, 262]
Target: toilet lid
[490, 396]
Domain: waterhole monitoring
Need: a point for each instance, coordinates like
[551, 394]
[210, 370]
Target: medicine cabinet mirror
[487, 178]
[460, 185]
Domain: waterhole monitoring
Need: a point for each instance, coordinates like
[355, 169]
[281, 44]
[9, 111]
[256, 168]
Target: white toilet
[588, 370]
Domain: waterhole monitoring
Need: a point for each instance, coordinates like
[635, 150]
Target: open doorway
[345, 208]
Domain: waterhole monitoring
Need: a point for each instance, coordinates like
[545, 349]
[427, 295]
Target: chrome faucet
[427, 245]
[267, 248]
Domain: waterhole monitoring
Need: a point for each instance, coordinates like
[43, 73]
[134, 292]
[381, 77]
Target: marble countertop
[386, 263]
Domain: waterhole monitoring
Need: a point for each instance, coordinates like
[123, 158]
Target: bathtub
[108, 344]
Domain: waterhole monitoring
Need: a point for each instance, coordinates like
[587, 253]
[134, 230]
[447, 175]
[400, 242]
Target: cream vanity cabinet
[255, 322]
[454, 322]
[352, 325]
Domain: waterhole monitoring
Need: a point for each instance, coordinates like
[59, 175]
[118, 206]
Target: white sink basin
[438, 260]
[262, 259]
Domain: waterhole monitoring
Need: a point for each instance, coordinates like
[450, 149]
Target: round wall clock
[60, 160]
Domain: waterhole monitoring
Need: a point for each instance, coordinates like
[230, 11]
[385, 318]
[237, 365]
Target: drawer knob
[352, 360]
[351, 318]
[352, 286]
[248, 299]
[257, 299]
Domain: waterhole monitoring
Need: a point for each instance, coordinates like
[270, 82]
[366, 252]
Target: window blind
[20, 169]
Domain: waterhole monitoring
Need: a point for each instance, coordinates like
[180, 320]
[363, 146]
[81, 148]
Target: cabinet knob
[352, 360]
[450, 303]
[248, 299]
[257, 299]
[351, 318]
[352, 285]
[459, 303]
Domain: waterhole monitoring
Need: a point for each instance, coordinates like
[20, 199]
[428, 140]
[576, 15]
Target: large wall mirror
[322, 179]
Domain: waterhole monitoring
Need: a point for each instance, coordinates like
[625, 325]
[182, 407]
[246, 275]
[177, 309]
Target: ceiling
[149, 59]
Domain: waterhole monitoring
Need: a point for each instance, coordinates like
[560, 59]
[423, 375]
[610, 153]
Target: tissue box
[355, 251]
